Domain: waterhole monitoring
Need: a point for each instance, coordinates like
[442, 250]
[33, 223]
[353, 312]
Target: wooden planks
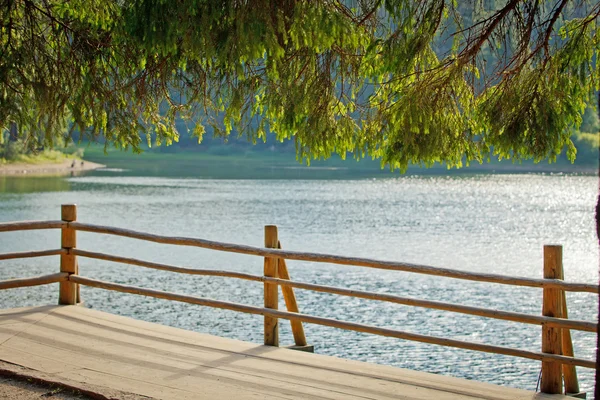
[167, 363]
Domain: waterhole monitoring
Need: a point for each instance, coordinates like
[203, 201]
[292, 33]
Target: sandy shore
[62, 168]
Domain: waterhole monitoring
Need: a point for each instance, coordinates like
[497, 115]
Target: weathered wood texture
[166, 363]
[68, 262]
[569, 371]
[30, 225]
[556, 353]
[333, 259]
[271, 294]
[34, 281]
[551, 336]
[333, 323]
[31, 254]
[290, 302]
[436, 305]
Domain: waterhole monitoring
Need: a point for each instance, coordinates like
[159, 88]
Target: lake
[486, 223]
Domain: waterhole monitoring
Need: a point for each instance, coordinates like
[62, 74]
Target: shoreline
[62, 168]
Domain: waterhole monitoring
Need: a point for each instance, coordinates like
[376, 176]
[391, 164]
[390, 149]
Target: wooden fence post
[68, 293]
[552, 307]
[292, 305]
[569, 371]
[271, 330]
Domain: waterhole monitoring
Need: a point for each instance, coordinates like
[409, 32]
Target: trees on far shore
[404, 81]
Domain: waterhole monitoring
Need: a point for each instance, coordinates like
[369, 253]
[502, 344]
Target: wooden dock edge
[32, 376]
[299, 368]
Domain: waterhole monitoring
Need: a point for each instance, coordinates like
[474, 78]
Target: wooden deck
[81, 345]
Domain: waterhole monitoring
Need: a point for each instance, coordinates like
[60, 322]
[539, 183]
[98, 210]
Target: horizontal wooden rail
[353, 326]
[30, 254]
[34, 281]
[333, 259]
[29, 225]
[165, 267]
[437, 305]
[580, 325]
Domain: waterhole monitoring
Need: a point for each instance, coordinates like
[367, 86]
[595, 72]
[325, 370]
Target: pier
[81, 346]
[72, 343]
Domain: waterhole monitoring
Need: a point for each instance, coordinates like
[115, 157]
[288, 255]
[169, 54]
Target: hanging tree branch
[402, 80]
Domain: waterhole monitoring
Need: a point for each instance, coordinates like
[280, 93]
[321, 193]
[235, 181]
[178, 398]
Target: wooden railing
[557, 358]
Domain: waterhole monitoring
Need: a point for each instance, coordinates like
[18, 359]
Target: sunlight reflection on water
[495, 224]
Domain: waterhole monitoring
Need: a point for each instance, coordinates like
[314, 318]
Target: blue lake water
[486, 223]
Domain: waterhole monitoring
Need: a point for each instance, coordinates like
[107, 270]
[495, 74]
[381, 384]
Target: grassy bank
[18, 153]
[45, 157]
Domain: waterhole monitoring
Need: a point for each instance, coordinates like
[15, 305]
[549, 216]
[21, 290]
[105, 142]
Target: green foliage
[10, 151]
[587, 137]
[591, 140]
[590, 123]
[18, 151]
[410, 82]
